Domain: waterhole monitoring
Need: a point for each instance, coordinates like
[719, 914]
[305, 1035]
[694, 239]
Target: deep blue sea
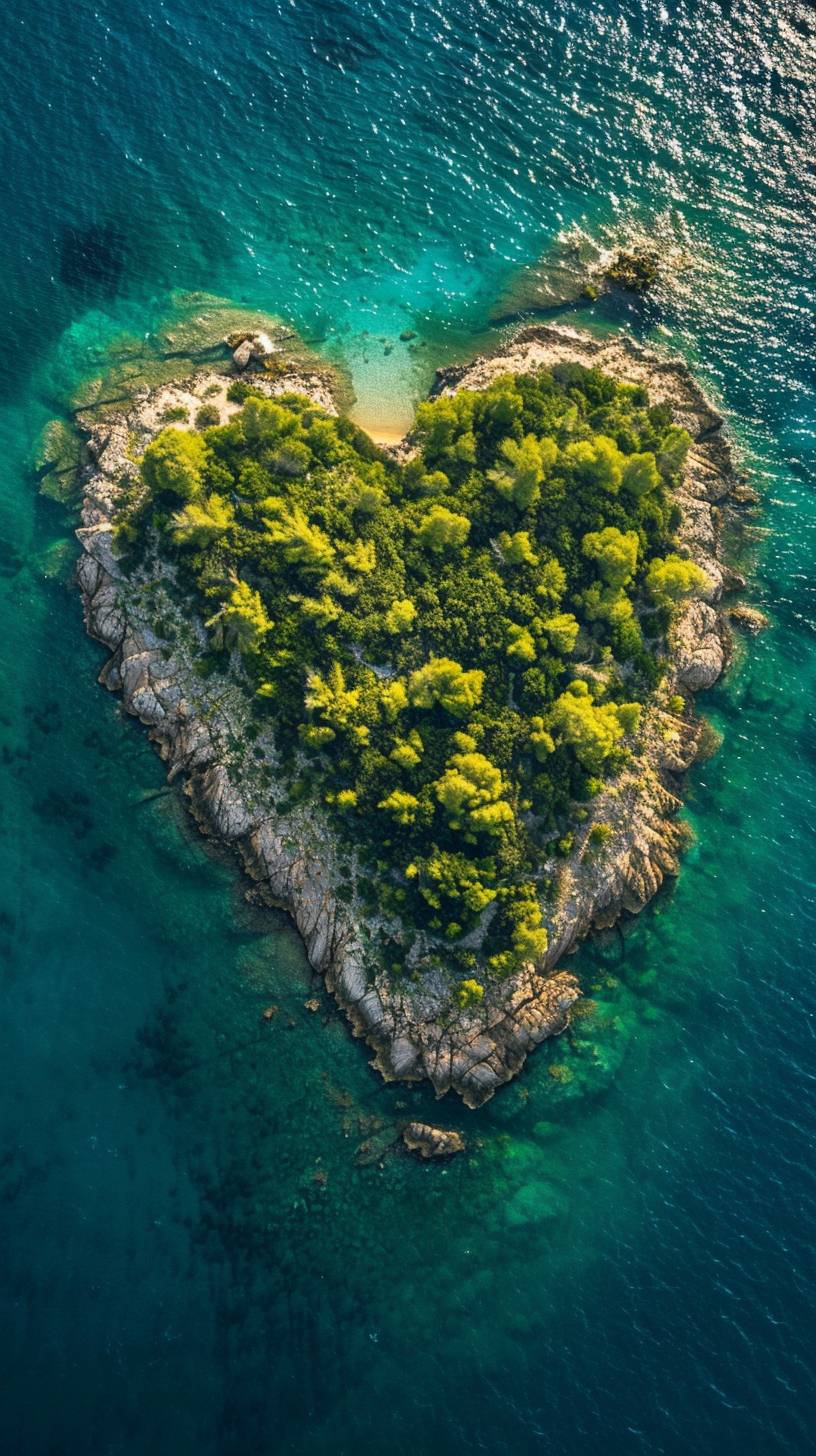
[196, 1257]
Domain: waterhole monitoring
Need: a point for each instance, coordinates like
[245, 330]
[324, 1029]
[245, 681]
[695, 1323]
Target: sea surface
[209, 1244]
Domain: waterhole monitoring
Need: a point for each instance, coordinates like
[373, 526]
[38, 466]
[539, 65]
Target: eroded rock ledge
[198, 726]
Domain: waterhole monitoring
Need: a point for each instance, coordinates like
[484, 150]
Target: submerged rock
[637, 269]
[374, 1147]
[578, 269]
[432, 1142]
[57, 459]
[242, 355]
[750, 619]
[249, 345]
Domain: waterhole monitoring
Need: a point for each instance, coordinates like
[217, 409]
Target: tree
[607, 604]
[393, 699]
[523, 466]
[528, 934]
[265, 422]
[516, 550]
[454, 876]
[242, 621]
[400, 616]
[640, 474]
[552, 581]
[628, 716]
[175, 462]
[470, 791]
[361, 557]
[499, 407]
[321, 610]
[401, 806]
[615, 551]
[596, 462]
[440, 423]
[593, 730]
[329, 696]
[541, 740]
[322, 438]
[407, 752]
[441, 528]
[368, 499]
[520, 643]
[289, 527]
[672, 578]
[291, 459]
[442, 681]
[433, 482]
[201, 523]
[561, 631]
[314, 735]
[674, 448]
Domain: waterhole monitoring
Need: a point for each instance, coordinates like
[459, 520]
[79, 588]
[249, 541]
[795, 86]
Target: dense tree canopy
[452, 652]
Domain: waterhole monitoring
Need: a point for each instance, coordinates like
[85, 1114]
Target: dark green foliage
[241, 390]
[451, 651]
[207, 416]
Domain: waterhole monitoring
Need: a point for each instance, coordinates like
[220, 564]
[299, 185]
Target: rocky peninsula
[624, 842]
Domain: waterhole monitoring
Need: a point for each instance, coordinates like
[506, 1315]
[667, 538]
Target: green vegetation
[453, 652]
[208, 415]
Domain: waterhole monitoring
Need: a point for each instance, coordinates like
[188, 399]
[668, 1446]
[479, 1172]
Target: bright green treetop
[242, 622]
[673, 578]
[202, 522]
[442, 681]
[441, 528]
[174, 463]
[616, 553]
[470, 791]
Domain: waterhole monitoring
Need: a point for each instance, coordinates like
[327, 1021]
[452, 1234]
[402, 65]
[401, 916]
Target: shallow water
[208, 1243]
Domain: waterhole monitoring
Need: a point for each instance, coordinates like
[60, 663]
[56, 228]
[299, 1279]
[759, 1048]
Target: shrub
[240, 390]
[599, 835]
[208, 415]
[469, 993]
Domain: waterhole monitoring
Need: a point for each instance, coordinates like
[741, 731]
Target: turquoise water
[199, 1253]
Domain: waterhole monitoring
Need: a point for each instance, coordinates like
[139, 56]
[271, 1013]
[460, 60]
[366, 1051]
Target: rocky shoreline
[415, 1029]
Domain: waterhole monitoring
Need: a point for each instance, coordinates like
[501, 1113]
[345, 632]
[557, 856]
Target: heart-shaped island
[438, 698]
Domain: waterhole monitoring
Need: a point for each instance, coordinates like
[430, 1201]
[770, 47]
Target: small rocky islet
[438, 698]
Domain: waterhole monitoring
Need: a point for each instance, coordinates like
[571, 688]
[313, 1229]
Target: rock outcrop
[413, 1027]
[432, 1142]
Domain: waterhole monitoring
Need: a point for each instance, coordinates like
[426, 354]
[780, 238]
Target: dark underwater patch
[339, 40]
[92, 259]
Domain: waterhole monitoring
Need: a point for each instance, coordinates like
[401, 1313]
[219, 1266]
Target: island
[439, 698]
